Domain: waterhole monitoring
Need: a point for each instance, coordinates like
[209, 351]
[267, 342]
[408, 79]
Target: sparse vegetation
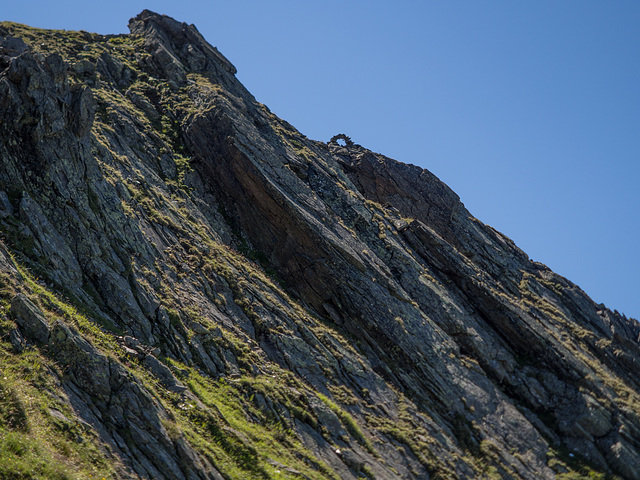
[232, 359]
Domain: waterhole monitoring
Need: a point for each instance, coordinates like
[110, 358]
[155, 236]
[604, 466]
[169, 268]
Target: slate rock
[30, 319]
[164, 374]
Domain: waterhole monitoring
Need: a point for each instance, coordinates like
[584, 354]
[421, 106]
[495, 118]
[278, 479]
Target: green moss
[230, 411]
[572, 466]
[12, 413]
[33, 443]
[22, 458]
[405, 430]
[347, 420]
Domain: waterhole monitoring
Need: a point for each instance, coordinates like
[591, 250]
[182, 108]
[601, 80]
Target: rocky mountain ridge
[192, 289]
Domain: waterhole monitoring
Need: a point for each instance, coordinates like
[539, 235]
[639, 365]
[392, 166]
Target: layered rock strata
[213, 295]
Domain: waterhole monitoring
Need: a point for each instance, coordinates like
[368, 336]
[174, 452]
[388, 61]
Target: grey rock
[131, 342]
[84, 67]
[143, 104]
[17, 340]
[12, 46]
[6, 208]
[400, 306]
[90, 369]
[66, 270]
[163, 373]
[161, 28]
[596, 420]
[625, 459]
[58, 415]
[30, 319]
[327, 418]
[83, 109]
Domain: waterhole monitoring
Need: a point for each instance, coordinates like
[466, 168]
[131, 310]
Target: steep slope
[193, 289]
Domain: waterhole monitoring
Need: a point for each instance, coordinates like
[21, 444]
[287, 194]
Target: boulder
[30, 319]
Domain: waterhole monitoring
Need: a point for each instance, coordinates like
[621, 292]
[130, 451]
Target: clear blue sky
[530, 111]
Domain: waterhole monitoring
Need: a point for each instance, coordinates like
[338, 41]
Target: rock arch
[342, 136]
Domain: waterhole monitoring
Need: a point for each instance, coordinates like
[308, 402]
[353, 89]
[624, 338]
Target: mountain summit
[191, 289]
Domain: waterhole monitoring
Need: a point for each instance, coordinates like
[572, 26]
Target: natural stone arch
[341, 136]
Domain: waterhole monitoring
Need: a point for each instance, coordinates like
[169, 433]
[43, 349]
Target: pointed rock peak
[147, 22]
[178, 41]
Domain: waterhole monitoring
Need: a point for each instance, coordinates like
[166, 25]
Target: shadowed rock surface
[203, 292]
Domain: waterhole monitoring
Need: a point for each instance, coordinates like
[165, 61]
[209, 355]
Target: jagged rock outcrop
[210, 294]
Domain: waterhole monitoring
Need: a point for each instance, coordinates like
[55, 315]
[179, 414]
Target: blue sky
[530, 111]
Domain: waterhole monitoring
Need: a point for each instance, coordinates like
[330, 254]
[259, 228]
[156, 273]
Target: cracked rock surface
[210, 294]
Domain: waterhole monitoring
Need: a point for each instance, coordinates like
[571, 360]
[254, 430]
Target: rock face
[210, 294]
